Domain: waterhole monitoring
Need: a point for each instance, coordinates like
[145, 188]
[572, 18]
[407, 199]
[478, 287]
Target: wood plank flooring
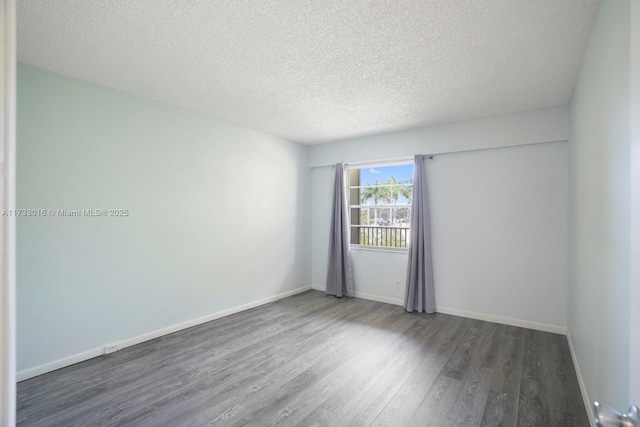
[315, 360]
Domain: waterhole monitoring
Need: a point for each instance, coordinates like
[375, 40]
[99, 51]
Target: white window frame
[366, 165]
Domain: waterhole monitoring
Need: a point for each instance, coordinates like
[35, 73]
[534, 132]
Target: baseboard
[362, 295]
[538, 326]
[57, 364]
[95, 352]
[372, 297]
[204, 319]
[583, 388]
[512, 321]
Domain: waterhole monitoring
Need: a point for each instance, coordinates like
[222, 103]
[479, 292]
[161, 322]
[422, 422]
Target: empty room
[303, 213]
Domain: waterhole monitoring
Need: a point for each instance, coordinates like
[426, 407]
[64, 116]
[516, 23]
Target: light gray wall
[499, 216]
[218, 216]
[599, 208]
[548, 124]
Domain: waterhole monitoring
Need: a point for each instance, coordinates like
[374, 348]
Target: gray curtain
[340, 269]
[419, 294]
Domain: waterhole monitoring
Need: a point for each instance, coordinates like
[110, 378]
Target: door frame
[8, 201]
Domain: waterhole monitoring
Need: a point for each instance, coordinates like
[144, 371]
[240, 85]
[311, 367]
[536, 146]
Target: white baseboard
[57, 364]
[362, 295]
[95, 352]
[511, 321]
[372, 297]
[538, 326]
[583, 388]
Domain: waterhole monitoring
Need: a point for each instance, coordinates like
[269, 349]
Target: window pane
[384, 195]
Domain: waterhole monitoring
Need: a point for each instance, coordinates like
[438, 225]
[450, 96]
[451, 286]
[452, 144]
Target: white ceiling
[318, 71]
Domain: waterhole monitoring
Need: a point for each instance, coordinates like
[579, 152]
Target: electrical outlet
[397, 284]
[109, 348]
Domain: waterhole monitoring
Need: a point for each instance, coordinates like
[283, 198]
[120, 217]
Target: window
[380, 204]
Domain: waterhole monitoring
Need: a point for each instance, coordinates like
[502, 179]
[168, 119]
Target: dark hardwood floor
[314, 360]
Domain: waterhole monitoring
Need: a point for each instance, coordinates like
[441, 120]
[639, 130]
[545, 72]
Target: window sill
[379, 249]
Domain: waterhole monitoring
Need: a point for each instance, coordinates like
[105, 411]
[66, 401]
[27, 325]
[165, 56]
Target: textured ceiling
[318, 71]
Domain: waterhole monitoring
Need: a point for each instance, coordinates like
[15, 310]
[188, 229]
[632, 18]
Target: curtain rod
[437, 154]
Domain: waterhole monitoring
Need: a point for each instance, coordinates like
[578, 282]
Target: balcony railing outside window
[390, 237]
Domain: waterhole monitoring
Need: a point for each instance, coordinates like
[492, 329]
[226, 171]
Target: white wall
[499, 216]
[599, 209]
[218, 216]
